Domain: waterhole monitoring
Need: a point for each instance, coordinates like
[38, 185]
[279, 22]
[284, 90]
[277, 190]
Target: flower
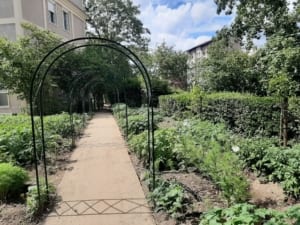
[235, 148]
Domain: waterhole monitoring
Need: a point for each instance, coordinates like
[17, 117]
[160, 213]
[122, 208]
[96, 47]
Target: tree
[279, 61]
[18, 60]
[117, 20]
[228, 68]
[171, 65]
[260, 17]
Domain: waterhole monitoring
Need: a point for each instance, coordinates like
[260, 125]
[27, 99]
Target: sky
[182, 24]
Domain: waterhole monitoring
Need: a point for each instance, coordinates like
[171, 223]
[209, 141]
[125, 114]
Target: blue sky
[181, 23]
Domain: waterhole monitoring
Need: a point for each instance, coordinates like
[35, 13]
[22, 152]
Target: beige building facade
[195, 54]
[63, 17]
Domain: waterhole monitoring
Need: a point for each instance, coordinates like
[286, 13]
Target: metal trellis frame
[81, 43]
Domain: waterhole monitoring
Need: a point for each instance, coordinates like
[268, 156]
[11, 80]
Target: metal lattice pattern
[101, 207]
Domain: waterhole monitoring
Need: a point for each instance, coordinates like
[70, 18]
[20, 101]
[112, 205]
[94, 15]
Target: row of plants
[277, 164]
[16, 136]
[243, 113]
[193, 143]
[249, 214]
[199, 144]
[16, 153]
[222, 155]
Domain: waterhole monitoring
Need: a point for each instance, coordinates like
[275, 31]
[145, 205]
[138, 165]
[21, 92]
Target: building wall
[6, 9]
[36, 6]
[14, 12]
[15, 105]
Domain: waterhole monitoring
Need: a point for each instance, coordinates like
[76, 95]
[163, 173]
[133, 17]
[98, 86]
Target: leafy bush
[169, 197]
[249, 214]
[139, 145]
[277, 164]
[12, 181]
[208, 147]
[33, 206]
[165, 158]
[202, 145]
[242, 113]
[137, 119]
[176, 104]
[16, 135]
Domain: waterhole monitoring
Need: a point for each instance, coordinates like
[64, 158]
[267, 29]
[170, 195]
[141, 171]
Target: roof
[200, 46]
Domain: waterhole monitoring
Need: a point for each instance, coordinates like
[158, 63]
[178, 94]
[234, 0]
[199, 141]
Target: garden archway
[37, 83]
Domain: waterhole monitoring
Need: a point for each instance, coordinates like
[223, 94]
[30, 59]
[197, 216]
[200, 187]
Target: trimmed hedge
[243, 113]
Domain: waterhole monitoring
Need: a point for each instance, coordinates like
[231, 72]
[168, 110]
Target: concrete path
[102, 188]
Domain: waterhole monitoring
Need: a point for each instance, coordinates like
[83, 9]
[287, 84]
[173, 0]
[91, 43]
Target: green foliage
[159, 87]
[18, 60]
[33, 205]
[16, 136]
[139, 145]
[208, 147]
[137, 119]
[250, 214]
[271, 17]
[165, 159]
[171, 65]
[116, 20]
[169, 197]
[228, 68]
[243, 113]
[12, 181]
[197, 144]
[175, 104]
[277, 164]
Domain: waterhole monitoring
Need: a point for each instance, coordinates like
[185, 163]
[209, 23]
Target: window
[3, 98]
[66, 18]
[52, 12]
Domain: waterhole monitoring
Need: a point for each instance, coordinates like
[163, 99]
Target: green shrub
[168, 197]
[16, 135]
[165, 158]
[139, 145]
[277, 164]
[250, 214]
[175, 105]
[33, 206]
[12, 181]
[207, 147]
[243, 113]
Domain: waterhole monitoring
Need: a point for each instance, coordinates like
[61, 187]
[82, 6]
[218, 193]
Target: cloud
[180, 23]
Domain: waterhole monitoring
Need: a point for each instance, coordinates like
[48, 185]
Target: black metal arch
[100, 42]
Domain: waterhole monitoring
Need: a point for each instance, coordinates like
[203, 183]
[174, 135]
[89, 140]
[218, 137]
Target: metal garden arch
[81, 43]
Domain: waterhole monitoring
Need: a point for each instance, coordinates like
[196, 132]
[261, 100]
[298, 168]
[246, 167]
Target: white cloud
[181, 25]
[202, 11]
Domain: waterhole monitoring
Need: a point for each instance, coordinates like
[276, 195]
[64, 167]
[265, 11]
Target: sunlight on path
[102, 188]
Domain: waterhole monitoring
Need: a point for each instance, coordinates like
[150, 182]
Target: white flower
[235, 148]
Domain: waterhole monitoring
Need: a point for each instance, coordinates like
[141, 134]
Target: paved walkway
[102, 188]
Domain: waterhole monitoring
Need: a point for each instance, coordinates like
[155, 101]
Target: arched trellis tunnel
[38, 81]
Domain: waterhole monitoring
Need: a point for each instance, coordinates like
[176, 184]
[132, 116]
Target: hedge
[243, 113]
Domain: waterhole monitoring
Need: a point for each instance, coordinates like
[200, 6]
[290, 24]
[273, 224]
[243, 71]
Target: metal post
[43, 143]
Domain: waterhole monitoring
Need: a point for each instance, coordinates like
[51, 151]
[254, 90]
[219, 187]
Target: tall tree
[260, 17]
[228, 68]
[279, 61]
[171, 65]
[18, 60]
[117, 20]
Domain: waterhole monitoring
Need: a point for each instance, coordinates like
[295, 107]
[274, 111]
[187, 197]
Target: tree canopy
[171, 65]
[117, 20]
[260, 17]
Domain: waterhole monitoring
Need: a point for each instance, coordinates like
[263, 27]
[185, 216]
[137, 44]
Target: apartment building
[63, 17]
[195, 54]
